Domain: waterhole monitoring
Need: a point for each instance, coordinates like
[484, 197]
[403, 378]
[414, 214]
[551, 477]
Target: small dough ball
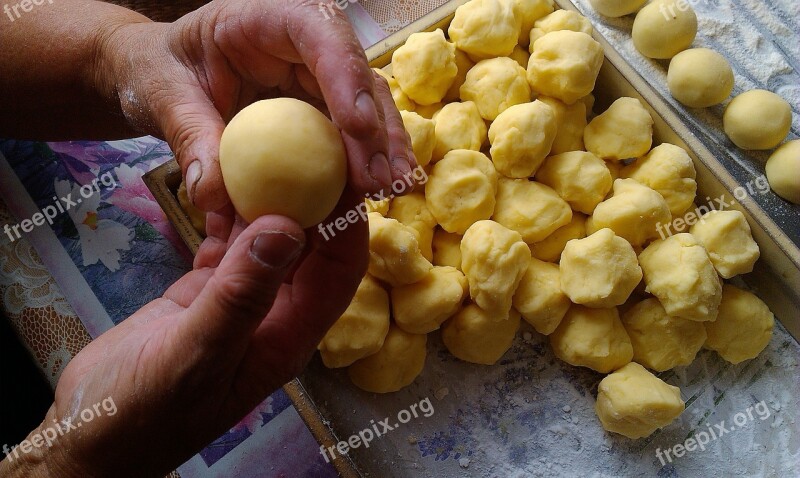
[446, 249]
[634, 212]
[361, 329]
[743, 328]
[539, 297]
[381, 206]
[564, 65]
[570, 124]
[196, 216]
[580, 178]
[461, 190]
[529, 11]
[521, 137]
[616, 8]
[661, 342]
[549, 249]
[669, 170]
[663, 28]
[600, 270]
[394, 366]
[782, 168]
[532, 209]
[633, 402]
[624, 130]
[421, 307]
[458, 126]
[560, 20]
[412, 210]
[521, 56]
[473, 335]
[401, 100]
[422, 133]
[700, 77]
[486, 28]
[464, 64]
[679, 272]
[495, 85]
[494, 260]
[429, 111]
[728, 240]
[593, 338]
[282, 156]
[425, 66]
[394, 254]
[757, 119]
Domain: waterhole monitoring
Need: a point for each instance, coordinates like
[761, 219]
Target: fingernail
[401, 164]
[365, 105]
[193, 174]
[275, 249]
[379, 170]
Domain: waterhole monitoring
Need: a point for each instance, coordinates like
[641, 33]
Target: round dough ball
[616, 8]
[570, 123]
[282, 156]
[521, 137]
[728, 240]
[743, 328]
[539, 297]
[446, 249]
[461, 190]
[593, 338]
[580, 178]
[464, 64]
[529, 11]
[668, 170]
[661, 342]
[663, 28]
[564, 65]
[412, 210]
[600, 270]
[782, 168]
[560, 20]
[700, 77]
[634, 403]
[495, 85]
[361, 329]
[757, 119]
[394, 254]
[549, 249]
[624, 130]
[486, 28]
[634, 212]
[473, 335]
[422, 133]
[532, 209]
[401, 100]
[421, 307]
[394, 366]
[425, 66]
[458, 126]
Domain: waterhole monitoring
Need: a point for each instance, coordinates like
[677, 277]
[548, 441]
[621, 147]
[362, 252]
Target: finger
[402, 159]
[187, 288]
[219, 226]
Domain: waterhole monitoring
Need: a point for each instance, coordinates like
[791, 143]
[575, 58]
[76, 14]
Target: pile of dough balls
[576, 240]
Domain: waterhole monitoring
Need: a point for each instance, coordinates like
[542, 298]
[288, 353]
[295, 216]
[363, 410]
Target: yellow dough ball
[394, 254]
[495, 85]
[421, 307]
[616, 8]
[564, 65]
[663, 28]
[425, 66]
[700, 77]
[401, 100]
[570, 123]
[521, 137]
[634, 403]
[474, 336]
[529, 11]
[539, 297]
[282, 156]
[361, 329]
[464, 64]
[486, 28]
[532, 209]
[399, 361]
[446, 249]
[728, 240]
[661, 342]
[757, 119]
[592, 338]
[624, 130]
[580, 178]
[782, 171]
[668, 170]
[422, 133]
[600, 270]
[560, 20]
[634, 212]
[412, 210]
[549, 249]
[458, 126]
[743, 328]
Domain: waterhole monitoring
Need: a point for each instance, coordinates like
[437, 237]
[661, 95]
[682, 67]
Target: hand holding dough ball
[539, 297]
[600, 270]
[700, 77]
[634, 212]
[663, 28]
[757, 119]
[549, 249]
[401, 100]
[564, 65]
[532, 209]
[394, 254]
[421, 307]
[616, 8]
[360, 331]
[496, 85]
[412, 211]
[464, 64]
[282, 156]
[494, 260]
[529, 11]
[570, 124]
[782, 171]
[580, 178]
[425, 66]
[624, 130]
[458, 126]
[399, 361]
[474, 336]
[446, 249]
[633, 402]
[661, 342]
[743, 328]
[678, 271]
[728, 240]
[592, 338]
[486, 28]
[560, 20]
[422, 133]
[521, 137]
[669, 170]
